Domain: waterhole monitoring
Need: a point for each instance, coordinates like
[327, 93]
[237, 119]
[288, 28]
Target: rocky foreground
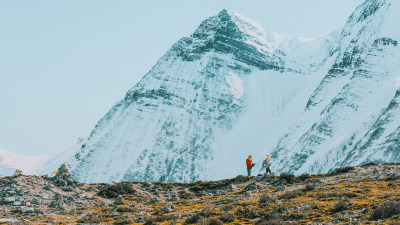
[353, 195]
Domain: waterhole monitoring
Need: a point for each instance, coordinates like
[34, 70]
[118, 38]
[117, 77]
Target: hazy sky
[63, 64]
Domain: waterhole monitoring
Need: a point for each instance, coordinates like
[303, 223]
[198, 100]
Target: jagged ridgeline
[232, 89]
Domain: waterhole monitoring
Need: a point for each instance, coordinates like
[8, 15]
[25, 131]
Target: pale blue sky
[63, 64]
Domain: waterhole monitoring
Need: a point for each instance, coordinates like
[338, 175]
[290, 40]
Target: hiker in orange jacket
[249, 164]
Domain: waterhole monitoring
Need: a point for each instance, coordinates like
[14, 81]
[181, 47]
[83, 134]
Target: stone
[171, 199]
[27, 209]
[47, 188]
[240, 179]
[119, 200]
[257, 178]
[169, 207]
[318, 183]
[152, 201]
[100, 204]
[9, 199]
[57, 197]
[251, 187]
[67, 189]
[34, 201]
[79, 202]
[45, 196]
[280, 188]
[89, 197]
[17, 203]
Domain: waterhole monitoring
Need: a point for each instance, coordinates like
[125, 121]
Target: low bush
[273, 218]
[124, 209]
[122, 222]
[341, 206]
[386, 210]
[226, 218]
[304, 177]
[210, 221]
[288, 177]
[114, 190]
[150, 220]
[350, 194]
[291, 194]
[228, 207]
[92, 219]
[193, 219]
[308, 187]
[265, 199]
[341, 170]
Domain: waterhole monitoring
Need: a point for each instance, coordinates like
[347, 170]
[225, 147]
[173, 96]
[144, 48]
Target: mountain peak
[230, 24]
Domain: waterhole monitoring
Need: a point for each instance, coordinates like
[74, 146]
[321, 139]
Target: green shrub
[386, 210]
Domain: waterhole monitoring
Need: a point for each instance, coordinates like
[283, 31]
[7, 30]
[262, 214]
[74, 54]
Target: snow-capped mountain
[352, 116]
[232, 89]
[167, 127]
[36, 165]
[9, 162]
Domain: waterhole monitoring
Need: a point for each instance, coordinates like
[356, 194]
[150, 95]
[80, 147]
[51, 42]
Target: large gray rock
[9, 200]
[17, 203]
[257, 178]
[240, 179]
[27, 209]
[169, 207]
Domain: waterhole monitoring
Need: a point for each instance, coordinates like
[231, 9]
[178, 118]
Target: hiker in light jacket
[267, 165]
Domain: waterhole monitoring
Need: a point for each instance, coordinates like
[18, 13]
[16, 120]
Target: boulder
[169, 207]
[9, 200]
[318, 183]
[251, 188]
[17, 203]
[257, 178]
[27, 209]
[240, 179]
[34, 201]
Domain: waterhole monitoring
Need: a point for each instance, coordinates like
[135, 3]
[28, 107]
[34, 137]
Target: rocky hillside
[349, 195]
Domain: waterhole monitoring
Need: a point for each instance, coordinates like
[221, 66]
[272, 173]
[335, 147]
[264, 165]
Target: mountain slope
[232, 89]
[346, 108]
[167, 127]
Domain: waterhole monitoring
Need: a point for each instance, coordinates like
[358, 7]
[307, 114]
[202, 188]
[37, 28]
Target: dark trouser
[268, 170]
[248, 171]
